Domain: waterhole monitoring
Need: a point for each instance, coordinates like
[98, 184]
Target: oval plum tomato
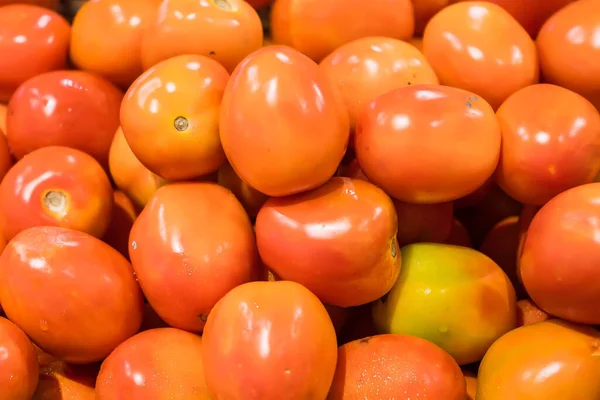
[230, 30]
[33, 40]
[18, 363]
[62, 381]
[459, 235]
[83, 299]
[368, 67]
[424, 222]
[64, 108]
[106, 37]
[316, 28]
[396, 364]
[122, 218]
[425, 10]
[51, 4]
[529, 313]
[546, 154]
[569, 49]
[56, 186]
[284, 126]
[251, 199]
[455, 297]
[480, 47]
[565, 229]
[453, 132]
[155, 364]
[192, 243]
[548, 360]
[338, 240]
[269, 339]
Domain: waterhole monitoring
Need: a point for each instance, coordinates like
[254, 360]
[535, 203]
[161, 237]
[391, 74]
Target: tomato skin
[192, 243]
[79, 307]
[37, 40]
[544, 155]
[480, 47]
[19, 364]
[434, 122]
[251, 199]
[290, 134]
[297, 358]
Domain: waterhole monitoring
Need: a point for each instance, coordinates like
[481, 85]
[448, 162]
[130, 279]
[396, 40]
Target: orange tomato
[18, 363]
[52, 4]
[170, 117]
[164, 363]
[56, 186]
[230, 30]
[529, 313]
[123, 215]
[459, 235]
[37, 40]
[546, 154]
[251, 199]
[192, 243]
[317, 28]
[82, 296]
[424, 222]
[283, 125]
[428, 144]
[106, 37]
[425, 10]
[480, 47]
[269, 339]
[61, 381]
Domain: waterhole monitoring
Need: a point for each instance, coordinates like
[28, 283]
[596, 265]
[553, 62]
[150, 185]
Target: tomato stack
[300, 199]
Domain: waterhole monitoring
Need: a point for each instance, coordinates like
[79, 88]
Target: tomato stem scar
[56, 202]
[224, 4]
[181, 124]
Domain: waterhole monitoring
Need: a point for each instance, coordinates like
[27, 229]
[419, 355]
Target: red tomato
[82, 296]
[529, 313]
[64, 108]
[284, 126]
[269, 339]
[123, 215]
[251, 199]
[33, 40]
[18, 363]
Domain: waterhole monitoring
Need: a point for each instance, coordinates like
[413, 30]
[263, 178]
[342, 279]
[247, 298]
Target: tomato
[454, 134]
[18, 363]
[170, 117]
[82, 296]
[316, 28]
[64, 108]
[283, 125]
[123, 215]
[251, 199]
[453, 296]
[37, 40]
[106, 37]
[546, 154]
[230, 30]
[52, 4]
[269, 339]
[480, 47]
[471, 380]
[459, 235]
[425, 10]
[424, 222]
[61, 381]
[529, 313]
[6, 160]
[156, 364]
[548, 360]
[192, 243]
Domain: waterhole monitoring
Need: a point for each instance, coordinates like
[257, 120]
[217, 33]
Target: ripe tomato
[454, 134]
[269, 339]
[425, 10]
[480, 47]
[82, 296]
[106, 37]
[52, 4]
[251, 199]
[459, 235]
[155, 364]
[62, 381]
[123, 215]
[316, 28]
[18, 363]
[33, 40]
[230, 30]
[284, 126]
[192, 243]
[170, 117]
[64, 108]
[544, 154]
[529, 313]
[396, 364]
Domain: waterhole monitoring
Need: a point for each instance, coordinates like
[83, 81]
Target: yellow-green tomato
[453, 296]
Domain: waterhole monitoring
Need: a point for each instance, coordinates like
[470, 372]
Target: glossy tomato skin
[33, 40]
[269, 338]
[544, 155]
[454, 133]
[192, 243]
[480, 47]
[518, 365]
[83, 296]
[170, 117]
[64, 108]
[230, 30]
[251, 199]
[61, 381]
[166, 363]
[317, 28]
[284, 127]
[19, 364]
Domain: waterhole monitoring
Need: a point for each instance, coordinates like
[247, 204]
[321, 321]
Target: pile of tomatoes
[300, 199]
